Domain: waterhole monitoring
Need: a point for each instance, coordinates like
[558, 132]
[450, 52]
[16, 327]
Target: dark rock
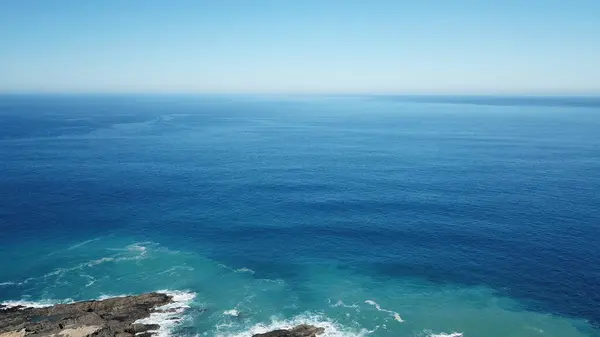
[112, 317]
[303, 330]
[144, 334]
[123, 334]
[11, 309]
[136, 328]
[106, 318]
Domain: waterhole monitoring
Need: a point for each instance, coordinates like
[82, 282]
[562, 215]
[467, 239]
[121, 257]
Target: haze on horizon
[312, 46]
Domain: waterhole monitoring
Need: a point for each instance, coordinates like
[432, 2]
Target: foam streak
[379, 308]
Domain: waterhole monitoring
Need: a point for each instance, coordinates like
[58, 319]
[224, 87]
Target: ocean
[425, 216]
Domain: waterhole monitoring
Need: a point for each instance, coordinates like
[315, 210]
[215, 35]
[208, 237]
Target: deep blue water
[458, 213]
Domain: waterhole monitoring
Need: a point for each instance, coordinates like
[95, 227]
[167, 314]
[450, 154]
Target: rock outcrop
[113, 317]
[106, 318]
[299, 331]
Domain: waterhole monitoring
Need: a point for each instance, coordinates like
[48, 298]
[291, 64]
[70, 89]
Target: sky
[304, 46]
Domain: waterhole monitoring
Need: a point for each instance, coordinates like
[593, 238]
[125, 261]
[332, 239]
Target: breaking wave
[332, 328]
[170, 315]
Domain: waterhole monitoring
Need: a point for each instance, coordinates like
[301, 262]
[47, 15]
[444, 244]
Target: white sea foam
[179, 296]
[141, 247]
[9, 283]
[138, 246]
[339, 303]
[97, 262]
[379, 308]
[91, 279]
[239, 270]
[266, 280]
[168, 316]
[231, 312]
[34, 304]
[59, 272]
[452, 334]
[332, 329]
[172, 270]
[83, 243]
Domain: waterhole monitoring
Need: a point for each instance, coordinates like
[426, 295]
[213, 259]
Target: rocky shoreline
[112, 317]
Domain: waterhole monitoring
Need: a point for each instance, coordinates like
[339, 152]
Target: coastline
[116, 316]
[145, 315]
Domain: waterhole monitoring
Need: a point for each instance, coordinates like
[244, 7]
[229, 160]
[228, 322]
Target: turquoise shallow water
[240, 302]
[368, 216]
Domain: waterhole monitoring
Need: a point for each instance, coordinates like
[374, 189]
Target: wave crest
[169, 316]
[332, 328]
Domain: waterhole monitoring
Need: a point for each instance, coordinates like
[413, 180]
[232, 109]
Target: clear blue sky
[314, 46]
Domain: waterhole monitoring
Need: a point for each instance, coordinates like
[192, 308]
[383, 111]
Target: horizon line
[297, 93]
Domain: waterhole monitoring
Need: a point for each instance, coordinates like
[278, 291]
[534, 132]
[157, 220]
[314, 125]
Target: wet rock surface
[110, 317]
[299, 331]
